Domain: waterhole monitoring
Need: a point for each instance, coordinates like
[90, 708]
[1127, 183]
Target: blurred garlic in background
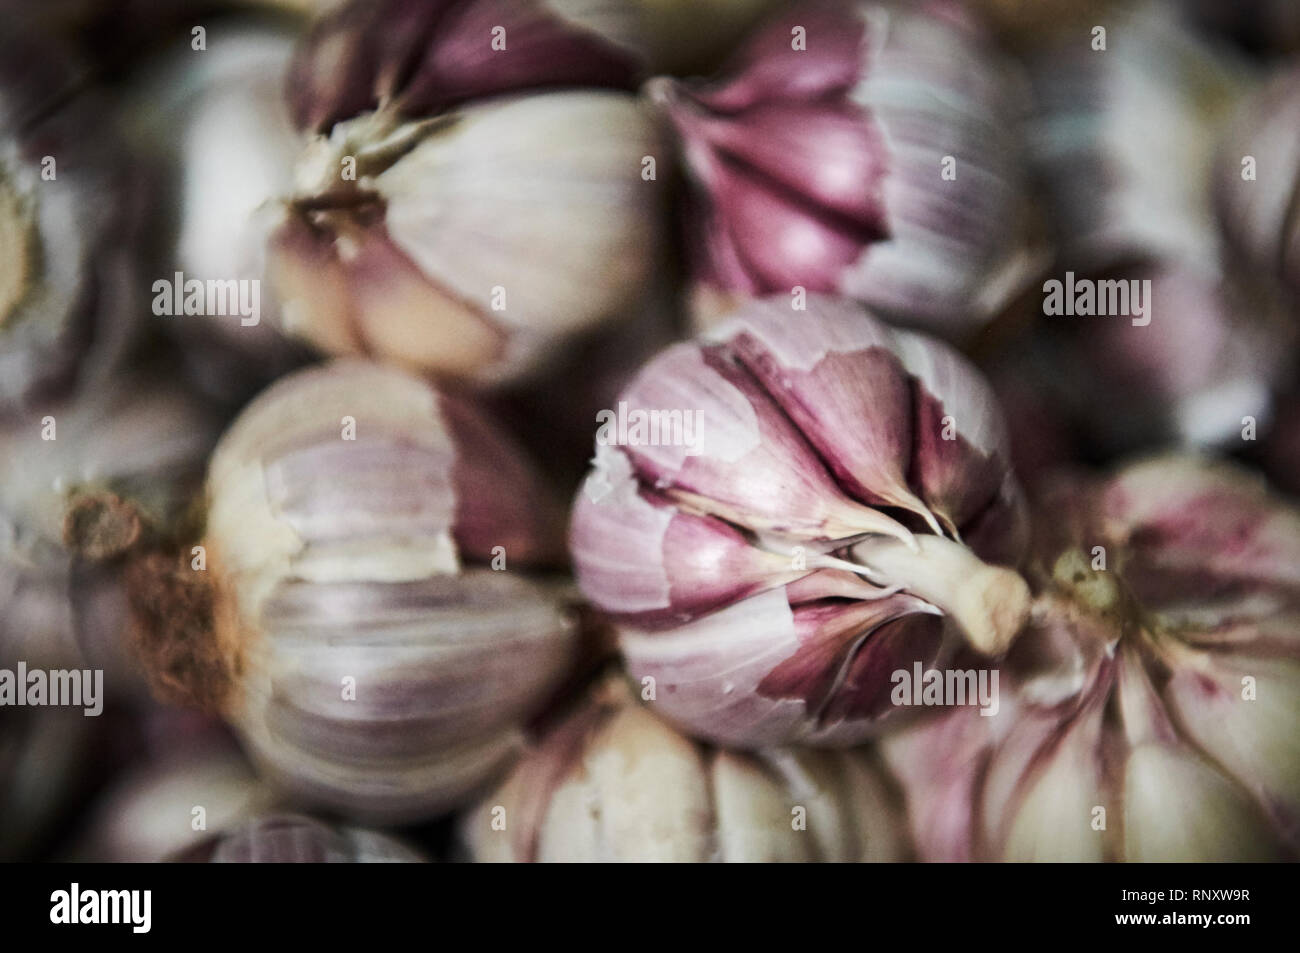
[830, 489]
[215, 125]
[1257, 180]
[368, 616]
[44, 755]
[1123, 145]
[70, 209]
[82, 484]
[1149, 710]
[611, 782]
[172, 800]
[1123, 138]
[470, 242]
[297, 839]
[1201, 367]
[866, 149]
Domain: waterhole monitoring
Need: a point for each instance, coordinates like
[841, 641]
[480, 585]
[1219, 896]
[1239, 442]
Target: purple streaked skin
[1144, 659]
[420, 58]
[821, 167]
[757, 579]
[382, 628]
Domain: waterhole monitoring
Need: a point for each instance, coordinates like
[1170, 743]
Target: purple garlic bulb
[860, 148]
[472, 200]
[367, 606]
[782, 511]
[1148, 711]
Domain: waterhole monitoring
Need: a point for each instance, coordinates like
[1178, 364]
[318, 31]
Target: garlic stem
[989, 603]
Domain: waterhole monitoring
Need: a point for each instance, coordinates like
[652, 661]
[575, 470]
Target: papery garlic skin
[1257, 176]
[297, 839]
[762, 578]
[138, 442]
[474, 244]
[1149, 708]
[858, 148]
[368, 657]
[614, 783]
[219, 130]
[420, 59]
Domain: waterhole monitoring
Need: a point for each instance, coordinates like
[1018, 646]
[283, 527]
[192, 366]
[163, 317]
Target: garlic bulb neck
[989, 603]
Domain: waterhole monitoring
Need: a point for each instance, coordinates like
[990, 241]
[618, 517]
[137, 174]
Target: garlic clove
[959, 464]
[1193, 517]
[1055, 807]
[650, 786]
[830, 372]
[846, 656]
[1234, 707]
[611, 782]
[767, 67]
[750, 465]
[754, 816]
[761, 671]
[700, 563]
[1177, 809]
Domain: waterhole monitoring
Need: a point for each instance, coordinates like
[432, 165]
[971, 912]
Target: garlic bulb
[84, 482]
[1123, 137]
[474, 243]
[1198, 368]
[69, 209]
[858, 148]
[1257, 178]
[295, 839]
[344, 617]
[216, 124]
[480, 190]
[614, 783]
[782, 510]
[1154, 697]
[171, 801]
